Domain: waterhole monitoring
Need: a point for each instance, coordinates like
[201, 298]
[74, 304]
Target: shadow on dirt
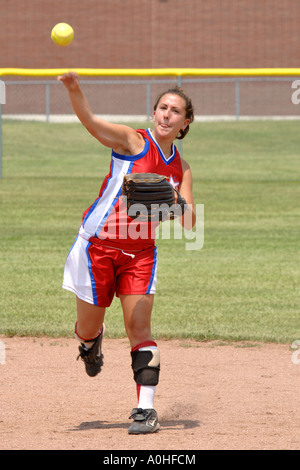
[167, 425]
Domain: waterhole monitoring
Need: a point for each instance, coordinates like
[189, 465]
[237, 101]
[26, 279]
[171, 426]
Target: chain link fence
[133, 99]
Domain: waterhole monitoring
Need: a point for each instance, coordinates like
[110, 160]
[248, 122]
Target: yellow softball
[62, 34]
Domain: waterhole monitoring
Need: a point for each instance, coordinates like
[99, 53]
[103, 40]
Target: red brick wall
[152, 33]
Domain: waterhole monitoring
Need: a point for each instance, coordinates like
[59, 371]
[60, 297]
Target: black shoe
[92, 357]
[145, 421]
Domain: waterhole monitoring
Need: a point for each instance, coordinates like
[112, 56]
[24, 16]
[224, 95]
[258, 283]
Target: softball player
[112, 255]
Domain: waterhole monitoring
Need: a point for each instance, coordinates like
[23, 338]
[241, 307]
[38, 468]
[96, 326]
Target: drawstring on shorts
[128, 254]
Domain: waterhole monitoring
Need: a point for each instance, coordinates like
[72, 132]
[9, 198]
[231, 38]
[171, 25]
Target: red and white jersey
[106, 219]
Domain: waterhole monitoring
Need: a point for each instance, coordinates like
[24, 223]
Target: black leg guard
[146, 366]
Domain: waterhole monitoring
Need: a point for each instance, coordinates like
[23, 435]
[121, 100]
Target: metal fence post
[148, 101]
[47, 102]
[237, 100]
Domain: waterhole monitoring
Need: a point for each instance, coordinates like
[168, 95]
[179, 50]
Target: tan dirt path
[210, 396]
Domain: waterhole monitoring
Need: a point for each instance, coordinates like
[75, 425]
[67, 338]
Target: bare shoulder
[132, 142]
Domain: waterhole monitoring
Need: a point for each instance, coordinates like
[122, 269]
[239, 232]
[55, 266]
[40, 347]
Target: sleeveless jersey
[106, 221]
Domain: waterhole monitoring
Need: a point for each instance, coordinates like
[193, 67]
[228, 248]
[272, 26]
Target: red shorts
[95, 273]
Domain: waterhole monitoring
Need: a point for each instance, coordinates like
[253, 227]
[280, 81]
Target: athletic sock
[146, 396]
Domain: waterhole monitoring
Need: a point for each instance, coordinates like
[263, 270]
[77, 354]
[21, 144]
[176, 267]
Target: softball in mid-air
[62, 34]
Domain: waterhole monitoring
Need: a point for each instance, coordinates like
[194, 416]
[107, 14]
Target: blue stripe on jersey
[98, 199]
[91, 275]
[153, 270]
[114, 200]
[102, 207]
[132, 158]
[166, 160]
[90, 211]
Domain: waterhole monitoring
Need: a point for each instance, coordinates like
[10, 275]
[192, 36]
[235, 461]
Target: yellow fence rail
[177, 72]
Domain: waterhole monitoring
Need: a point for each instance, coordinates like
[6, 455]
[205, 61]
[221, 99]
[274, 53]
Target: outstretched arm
[121, 138]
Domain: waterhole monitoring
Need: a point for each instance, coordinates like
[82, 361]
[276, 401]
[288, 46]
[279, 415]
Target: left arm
[188, 219]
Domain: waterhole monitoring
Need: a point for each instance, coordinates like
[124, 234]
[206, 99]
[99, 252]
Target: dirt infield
[210, 396]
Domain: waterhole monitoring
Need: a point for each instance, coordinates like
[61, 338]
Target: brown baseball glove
[151, 197]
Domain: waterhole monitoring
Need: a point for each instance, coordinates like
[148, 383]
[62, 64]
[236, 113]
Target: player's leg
[89, 330]
[145, 360]
[89, 319]
[89, 273]
[137, 311]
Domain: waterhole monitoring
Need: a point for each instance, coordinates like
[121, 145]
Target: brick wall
[152, 33]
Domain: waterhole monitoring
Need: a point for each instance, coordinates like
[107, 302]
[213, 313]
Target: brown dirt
[210, 396]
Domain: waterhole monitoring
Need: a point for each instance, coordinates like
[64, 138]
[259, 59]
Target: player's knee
[146, 366]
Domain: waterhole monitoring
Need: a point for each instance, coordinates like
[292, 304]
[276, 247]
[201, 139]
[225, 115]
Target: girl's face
[170, 116]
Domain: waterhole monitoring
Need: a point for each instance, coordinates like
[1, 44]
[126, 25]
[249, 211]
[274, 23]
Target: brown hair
[189, 109]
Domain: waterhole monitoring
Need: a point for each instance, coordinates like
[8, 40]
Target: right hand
[70, 80]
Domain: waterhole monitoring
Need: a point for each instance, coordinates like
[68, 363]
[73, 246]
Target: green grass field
[242, 285]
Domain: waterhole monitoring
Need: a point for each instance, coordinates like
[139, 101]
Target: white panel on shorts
[77, 275]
